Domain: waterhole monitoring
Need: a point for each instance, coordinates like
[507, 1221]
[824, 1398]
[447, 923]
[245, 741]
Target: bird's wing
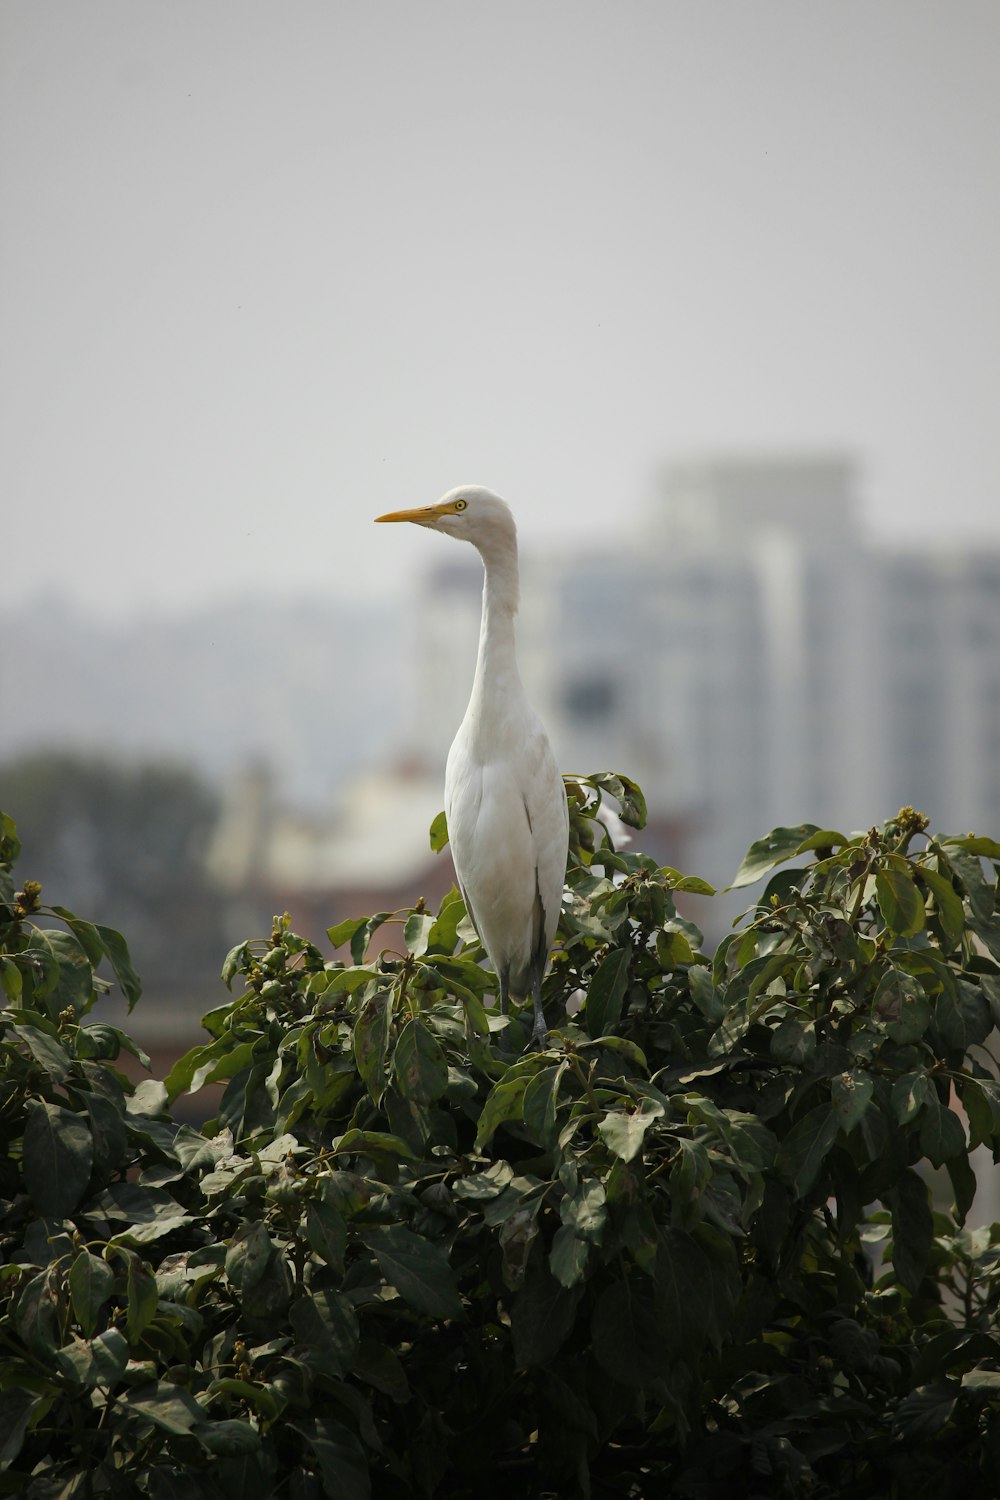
[547, 811]
[508, 825]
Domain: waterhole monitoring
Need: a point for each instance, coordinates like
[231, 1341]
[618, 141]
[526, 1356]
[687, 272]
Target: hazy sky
[268, 269]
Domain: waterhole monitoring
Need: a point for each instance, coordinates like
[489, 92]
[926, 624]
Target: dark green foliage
[687, 1249]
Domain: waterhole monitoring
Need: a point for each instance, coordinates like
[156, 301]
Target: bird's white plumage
[508, 821]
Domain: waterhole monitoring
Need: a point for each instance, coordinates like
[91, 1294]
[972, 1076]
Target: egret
[508, 820]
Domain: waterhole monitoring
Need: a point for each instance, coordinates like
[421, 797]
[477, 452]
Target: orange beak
[426, 516]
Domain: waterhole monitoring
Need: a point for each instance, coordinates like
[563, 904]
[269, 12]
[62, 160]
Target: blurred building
[749, 656]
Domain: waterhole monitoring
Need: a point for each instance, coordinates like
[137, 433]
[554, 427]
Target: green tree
[687, 1248]
[126, 841]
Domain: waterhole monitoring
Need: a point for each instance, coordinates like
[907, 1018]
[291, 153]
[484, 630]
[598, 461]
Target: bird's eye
[461, 504]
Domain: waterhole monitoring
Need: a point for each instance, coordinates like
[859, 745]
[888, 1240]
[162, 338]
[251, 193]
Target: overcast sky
[268, 269]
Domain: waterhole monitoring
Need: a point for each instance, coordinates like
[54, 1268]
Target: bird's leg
[539, 1030]
[504, 1008]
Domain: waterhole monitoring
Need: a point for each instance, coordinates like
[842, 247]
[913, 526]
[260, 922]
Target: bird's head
[469, 513]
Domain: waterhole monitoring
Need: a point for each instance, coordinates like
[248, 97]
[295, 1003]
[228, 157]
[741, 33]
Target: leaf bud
[27, 899]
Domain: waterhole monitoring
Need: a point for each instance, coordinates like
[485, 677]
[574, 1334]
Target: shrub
[688, 1248]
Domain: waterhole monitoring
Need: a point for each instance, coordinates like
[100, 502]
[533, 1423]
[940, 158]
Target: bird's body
[505, 803]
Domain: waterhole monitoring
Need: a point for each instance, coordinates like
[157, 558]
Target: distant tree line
[127, 841]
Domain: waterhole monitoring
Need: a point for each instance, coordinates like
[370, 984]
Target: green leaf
[631, 802]
[704, 993]
[983, 848]
[623, 1134]
[418, 1269]
[912, 1228]
[541, 1103]
[439, 833]
[168, 1406]
[107, 1129]
[327, 1233]
[107, 1042]
[964, 1184]
[899, 902]
[909, 1094]
[697, 1279]
[10, 844]
[690, 1174]
[628, 1339]
[982, 1106]
[851, 1093]
[379, 1366]
[142, 1298]
[941, 1133]
[504, 1102]
[192, 1070]
[363, 935]
[804, 1149]
[568, 1256]
[779, 845]
[924, 1412]
[85, 933]
[605, 993]
[16, 1411]
[343, 932]
[950, 912]
[379, 1145]
[346, 981]
[621, 1046]
[145, 1234]
[326, 1322]
[962, 1016]
[793, 1041]
[11, 982]
[902, 1006]
[36, 1313]
[49, 1053]
[419, 1065]
[673, 949]
[444, 933]
[74, 977]
[91, 1283]
[970, 873]
[371, 1042]
[541, 1319]
[147, 1098]
[133, 1202]
[855, 1346]
[236, 959]
[693, 884]
[341, 1459]
[228, 1438]
[248, 1255]
[96, 1362]
[58, 1157]
[585, 1210]
[417, 931]
[823, 838]
[116, 948]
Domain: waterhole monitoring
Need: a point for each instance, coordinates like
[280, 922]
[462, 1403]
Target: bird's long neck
[497, 676]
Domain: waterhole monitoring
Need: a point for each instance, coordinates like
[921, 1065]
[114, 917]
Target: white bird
[508, 820]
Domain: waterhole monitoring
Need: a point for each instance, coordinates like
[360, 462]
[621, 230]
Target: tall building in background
[750, 657]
